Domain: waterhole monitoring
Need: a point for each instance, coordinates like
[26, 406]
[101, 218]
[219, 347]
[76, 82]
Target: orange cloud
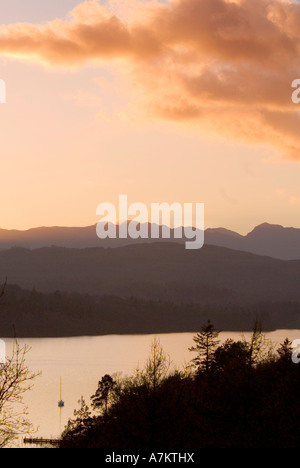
[227, 66]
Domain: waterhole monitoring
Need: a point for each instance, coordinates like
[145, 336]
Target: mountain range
[266, 239]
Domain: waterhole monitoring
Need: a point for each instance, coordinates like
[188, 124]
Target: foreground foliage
[238, 394]
[15, 380]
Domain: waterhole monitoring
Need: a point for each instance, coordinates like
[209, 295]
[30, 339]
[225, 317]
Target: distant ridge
[161, 271]
[266, 239]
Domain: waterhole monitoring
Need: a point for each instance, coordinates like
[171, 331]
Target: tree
[101, 397]
[79, 425]
[259, 348]
[141, 407]
[232, 355]
[15, 380]
[157, 366]
[206, 344]
[83, 412]
[285, 350]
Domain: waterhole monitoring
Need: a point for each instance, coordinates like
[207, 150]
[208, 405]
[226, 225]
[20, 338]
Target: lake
[81, 362]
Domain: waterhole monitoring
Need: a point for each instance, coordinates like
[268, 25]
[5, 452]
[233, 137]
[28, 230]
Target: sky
[179, 101]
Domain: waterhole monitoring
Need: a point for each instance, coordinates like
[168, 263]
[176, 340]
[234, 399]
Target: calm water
[81, 362]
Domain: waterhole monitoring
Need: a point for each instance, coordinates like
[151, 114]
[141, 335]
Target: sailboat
[61, 403]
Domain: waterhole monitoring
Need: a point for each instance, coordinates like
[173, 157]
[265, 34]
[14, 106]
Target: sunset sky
[178, 101]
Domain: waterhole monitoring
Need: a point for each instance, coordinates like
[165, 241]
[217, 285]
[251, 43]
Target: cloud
[224, 66]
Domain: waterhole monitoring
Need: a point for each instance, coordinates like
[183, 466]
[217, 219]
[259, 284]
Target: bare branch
[15, 380]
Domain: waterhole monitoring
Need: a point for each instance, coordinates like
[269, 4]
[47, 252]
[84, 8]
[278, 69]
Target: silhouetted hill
[155, 271]
[47, 236]
[267, 239]
[35, 314]
[274, 240]
[69, 237]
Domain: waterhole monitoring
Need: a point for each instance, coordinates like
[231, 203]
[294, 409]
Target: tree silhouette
[15, 380]
[259, 348]
[83, 412]
[101, 397]
[81, 423]
[285, 350]
[206, 344]
[232, 355]
[157, 365]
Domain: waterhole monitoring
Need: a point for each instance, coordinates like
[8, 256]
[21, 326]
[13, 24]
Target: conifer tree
[206, 343]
